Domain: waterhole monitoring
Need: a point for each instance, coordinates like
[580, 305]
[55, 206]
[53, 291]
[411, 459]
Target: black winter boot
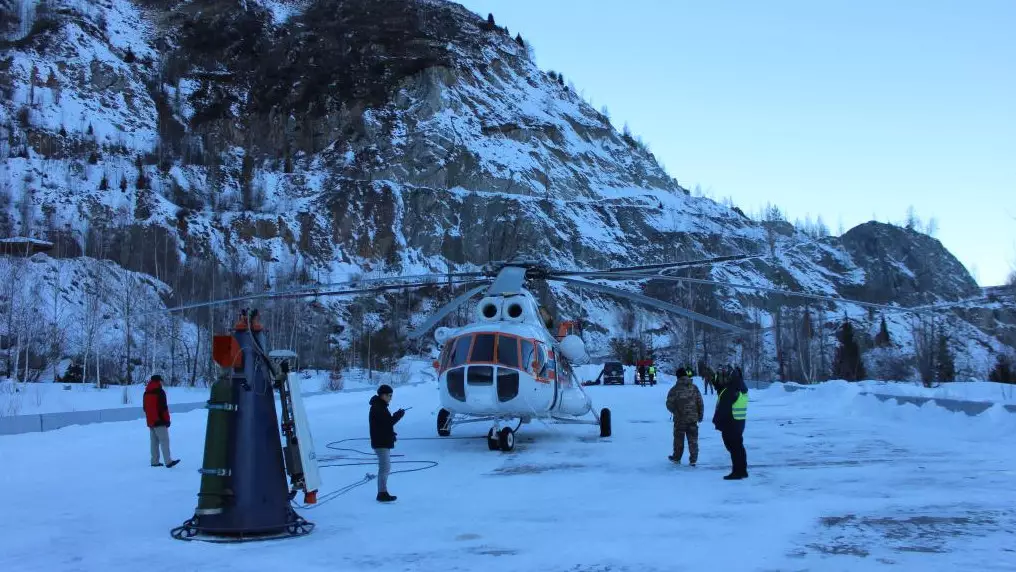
[385, 497]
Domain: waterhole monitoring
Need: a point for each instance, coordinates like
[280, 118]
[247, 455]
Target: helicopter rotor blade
[445, 310]
[660, 266]
[322, 290]
[788, 293]
[646, 300]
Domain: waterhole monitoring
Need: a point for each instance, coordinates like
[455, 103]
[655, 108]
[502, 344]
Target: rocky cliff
[228, 146]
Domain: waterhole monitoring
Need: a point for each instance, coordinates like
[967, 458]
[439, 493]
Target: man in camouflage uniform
[684, 401]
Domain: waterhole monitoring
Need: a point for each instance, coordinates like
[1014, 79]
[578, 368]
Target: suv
[613, 373]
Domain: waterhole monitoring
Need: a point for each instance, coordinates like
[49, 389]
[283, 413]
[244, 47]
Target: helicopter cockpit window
[483, 349]
[508, 351]
[459, 351]
[443, 356]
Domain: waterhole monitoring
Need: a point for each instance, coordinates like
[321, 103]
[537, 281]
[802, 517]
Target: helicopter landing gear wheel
[604, 422]
[506, 439]
[492, 442]
[443, 427]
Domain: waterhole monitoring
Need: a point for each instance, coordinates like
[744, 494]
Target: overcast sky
[848, 109]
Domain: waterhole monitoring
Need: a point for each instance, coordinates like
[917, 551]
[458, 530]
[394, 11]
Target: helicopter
[507, 365]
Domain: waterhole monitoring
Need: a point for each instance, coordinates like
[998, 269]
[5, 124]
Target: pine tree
[882, 338]
[945, 366]
[847, 362]
[518, 40]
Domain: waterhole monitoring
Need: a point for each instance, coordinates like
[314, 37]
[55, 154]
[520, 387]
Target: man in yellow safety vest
[729, 417]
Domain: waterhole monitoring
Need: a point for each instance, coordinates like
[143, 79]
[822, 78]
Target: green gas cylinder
[216, 474]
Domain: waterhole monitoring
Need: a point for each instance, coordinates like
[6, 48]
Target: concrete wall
[18, 424]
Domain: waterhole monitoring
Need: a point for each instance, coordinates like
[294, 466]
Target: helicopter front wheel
[444, 427]
[506, 439]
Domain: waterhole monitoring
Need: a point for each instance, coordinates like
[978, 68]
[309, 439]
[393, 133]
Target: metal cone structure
[244, 495]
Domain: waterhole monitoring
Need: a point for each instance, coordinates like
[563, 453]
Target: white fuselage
[506, 364]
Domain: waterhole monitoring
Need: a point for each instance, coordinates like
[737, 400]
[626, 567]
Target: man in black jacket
[382, 437]
[729, 418]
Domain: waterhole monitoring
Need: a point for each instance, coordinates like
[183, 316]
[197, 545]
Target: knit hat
[385, 388]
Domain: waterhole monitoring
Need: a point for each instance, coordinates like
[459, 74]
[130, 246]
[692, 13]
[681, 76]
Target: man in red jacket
[157, 416]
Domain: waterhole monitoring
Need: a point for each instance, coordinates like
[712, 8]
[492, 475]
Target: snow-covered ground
[839, 481]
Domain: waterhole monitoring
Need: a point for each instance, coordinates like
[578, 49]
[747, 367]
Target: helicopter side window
[460, 349]
[483, 349]
[528, 354]
[545, 367]
[536, 363]
[564, 373]
[508, 351]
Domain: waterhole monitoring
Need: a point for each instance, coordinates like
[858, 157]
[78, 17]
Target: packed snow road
[837, 482]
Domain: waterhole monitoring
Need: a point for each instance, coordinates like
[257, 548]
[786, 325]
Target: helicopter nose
[480, 395]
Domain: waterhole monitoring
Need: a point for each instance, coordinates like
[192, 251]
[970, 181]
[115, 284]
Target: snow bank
[969, 390]
[842, 399]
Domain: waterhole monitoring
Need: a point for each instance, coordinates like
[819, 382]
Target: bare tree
[58, 325]
[805, 347]
[924, 331]
[128, 299]
[91, 320]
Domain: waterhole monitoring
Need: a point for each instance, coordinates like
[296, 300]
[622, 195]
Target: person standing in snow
[729, 419]
[652, 375]
[684, 401]
[382, 437]
[157, 417]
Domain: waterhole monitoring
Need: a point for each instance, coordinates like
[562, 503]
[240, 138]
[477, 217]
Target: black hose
[366, 458]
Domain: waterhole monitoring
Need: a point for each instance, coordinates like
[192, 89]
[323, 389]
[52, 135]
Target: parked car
[613, 373]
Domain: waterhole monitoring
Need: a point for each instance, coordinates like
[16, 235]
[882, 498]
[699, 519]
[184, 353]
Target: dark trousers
[734, 442]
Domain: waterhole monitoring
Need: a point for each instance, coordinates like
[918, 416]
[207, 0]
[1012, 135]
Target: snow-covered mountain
[225, 146]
